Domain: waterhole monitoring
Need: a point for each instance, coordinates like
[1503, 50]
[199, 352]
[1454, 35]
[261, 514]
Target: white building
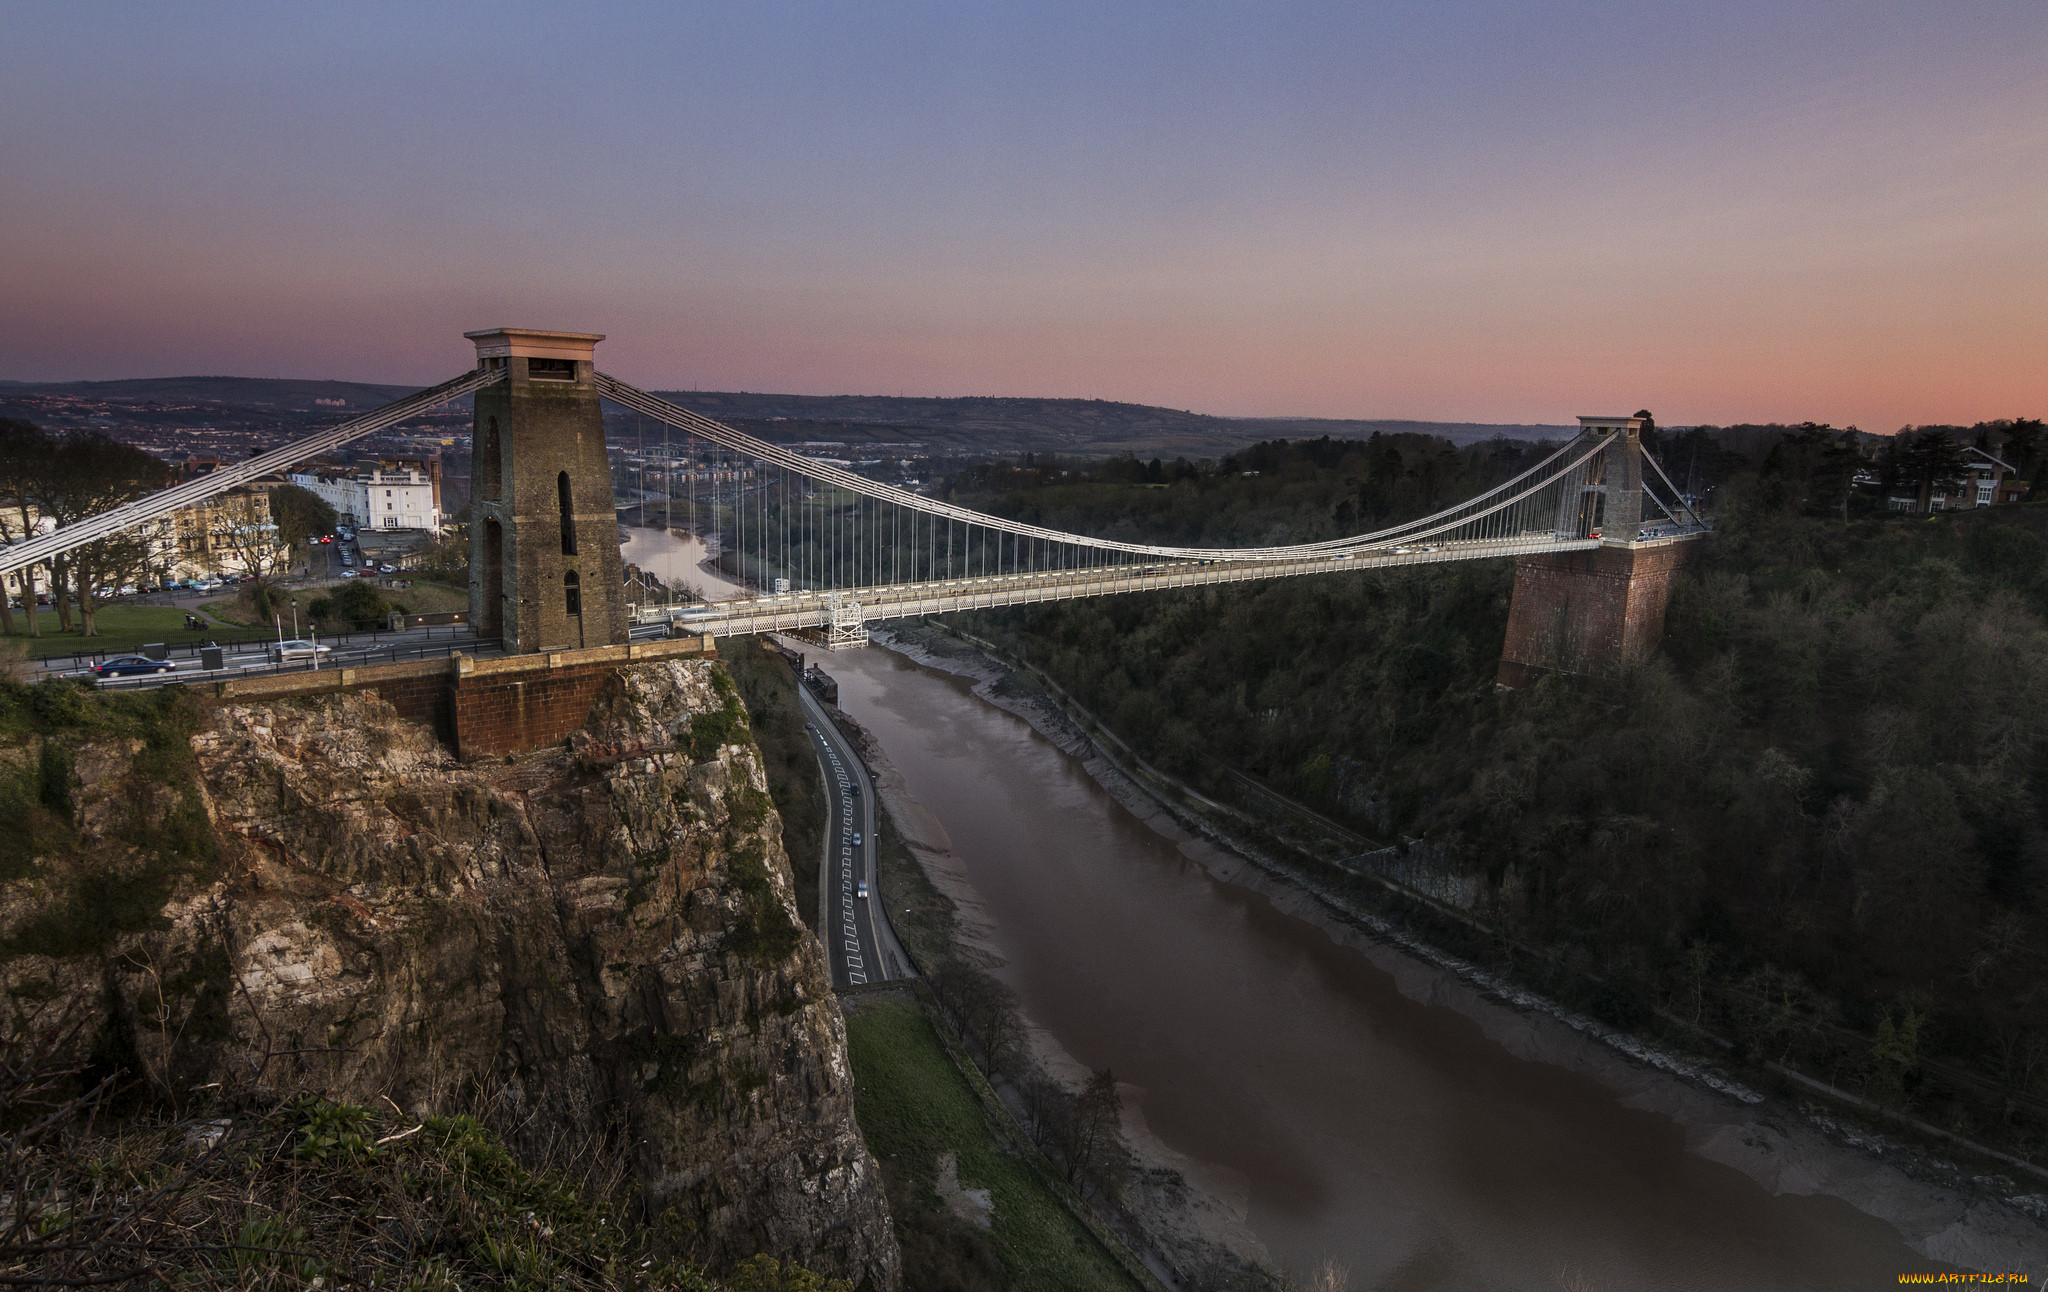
[380, 495]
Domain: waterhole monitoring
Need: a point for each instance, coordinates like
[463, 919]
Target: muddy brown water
[1386, 1134]
[677, 557]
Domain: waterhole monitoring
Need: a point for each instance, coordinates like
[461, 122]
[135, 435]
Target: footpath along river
[1390, 1135]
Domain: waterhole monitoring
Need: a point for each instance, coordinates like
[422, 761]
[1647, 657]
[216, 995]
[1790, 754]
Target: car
[853, 788]
[856, 838]
[860, 890]
[387, 569]
[124, 665]
[297, 648]
[348, 574]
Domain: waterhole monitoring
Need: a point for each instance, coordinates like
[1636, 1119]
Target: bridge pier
[1592, 614]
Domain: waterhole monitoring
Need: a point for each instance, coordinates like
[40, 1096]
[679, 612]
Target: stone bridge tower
[544, 571]
[1596, 612]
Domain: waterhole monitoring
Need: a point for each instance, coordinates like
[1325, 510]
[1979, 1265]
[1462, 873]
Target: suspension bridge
[817, 547]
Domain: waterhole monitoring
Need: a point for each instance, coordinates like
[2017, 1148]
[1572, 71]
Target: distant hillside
[1091, 427]
[234, 414]
[225, 417]
[254, 392]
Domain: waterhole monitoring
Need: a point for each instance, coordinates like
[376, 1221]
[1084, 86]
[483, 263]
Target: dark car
[123, 665]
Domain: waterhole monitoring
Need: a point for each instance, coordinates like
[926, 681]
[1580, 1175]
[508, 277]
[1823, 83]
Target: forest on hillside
[1816, 823]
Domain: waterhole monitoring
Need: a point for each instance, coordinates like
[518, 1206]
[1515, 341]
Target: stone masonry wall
[487, 707]
[1590, 613]
[509, 715]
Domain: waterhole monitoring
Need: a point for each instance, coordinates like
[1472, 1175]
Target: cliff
[314, 895]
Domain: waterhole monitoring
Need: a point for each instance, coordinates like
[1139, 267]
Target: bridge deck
[812, 609]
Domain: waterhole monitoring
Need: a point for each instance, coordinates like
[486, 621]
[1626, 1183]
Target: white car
[296, 649]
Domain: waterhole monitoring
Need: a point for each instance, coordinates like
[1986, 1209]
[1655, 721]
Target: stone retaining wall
[478, 707]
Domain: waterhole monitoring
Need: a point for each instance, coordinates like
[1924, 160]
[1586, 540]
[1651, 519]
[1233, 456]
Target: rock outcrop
[602, 938]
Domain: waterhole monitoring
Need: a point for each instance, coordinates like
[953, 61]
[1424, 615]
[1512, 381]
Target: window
[568, 514]
[572, 593]
[487, 460]
[391, 522]
[551, 370]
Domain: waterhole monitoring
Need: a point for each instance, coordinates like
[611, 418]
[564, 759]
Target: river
[1387, 1134]
[678, 557]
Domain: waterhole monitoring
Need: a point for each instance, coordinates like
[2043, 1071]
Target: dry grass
[247, 1190]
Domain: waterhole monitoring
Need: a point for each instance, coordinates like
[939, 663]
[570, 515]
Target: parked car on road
[387, 569]
[856, 838]
[296, 649]
[124, 665]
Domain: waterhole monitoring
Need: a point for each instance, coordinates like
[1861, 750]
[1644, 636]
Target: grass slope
[913, 1105]
[125, 628]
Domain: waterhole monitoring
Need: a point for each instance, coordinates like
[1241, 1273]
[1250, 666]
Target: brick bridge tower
[1594, 613]
[544, 570]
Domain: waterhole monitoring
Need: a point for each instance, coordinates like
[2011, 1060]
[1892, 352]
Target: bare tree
[240, 527]
[1098, 1160]
[25, 451]
[86, 474]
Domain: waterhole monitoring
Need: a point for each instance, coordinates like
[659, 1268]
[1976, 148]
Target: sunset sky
[1442, 210]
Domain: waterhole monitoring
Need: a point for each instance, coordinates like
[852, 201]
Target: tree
[25, 451]
[241, 527]
[2022, 442]
[1933, 458]
[1098, 1159]
[89, 473]
[357, 604]
[300, 516]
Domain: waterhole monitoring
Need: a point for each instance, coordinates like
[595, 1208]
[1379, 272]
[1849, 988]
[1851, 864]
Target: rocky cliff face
[604, 935]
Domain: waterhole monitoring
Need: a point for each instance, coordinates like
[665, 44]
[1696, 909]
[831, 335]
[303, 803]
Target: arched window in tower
[572, 593]
[487, 468]
[568, 515]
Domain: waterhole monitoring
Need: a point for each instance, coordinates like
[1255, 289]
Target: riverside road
[859, 943]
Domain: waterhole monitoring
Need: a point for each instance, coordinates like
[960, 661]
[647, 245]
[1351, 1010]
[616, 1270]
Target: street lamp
[295, 616]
